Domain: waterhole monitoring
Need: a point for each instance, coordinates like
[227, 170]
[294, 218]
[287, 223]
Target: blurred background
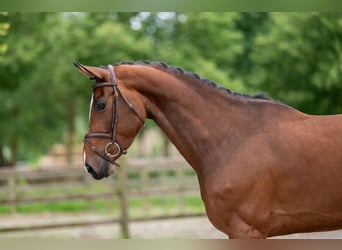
[44, 104]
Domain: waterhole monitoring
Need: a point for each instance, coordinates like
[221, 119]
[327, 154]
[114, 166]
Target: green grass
[74, 206]
[5, 210]
[156, 206]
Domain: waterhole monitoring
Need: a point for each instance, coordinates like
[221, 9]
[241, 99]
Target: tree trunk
[2, 159]
[166, 146]
[70, 132]
[13, 150]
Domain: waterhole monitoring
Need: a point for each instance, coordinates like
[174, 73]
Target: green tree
[42, 95]
[19, 111]
[250, 25]
[299, 61]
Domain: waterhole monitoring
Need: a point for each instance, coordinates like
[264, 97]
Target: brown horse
[264, 168]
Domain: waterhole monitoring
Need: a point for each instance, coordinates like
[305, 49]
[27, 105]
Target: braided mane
[178, 70]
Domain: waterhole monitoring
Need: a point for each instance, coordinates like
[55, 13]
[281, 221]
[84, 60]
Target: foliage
[295, 57]
[4, 27]
[299, 60]
[41, 93]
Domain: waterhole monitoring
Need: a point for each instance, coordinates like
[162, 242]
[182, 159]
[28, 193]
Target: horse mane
[180, 71]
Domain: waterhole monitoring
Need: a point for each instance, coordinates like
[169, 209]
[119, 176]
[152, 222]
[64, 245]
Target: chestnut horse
[264, 168]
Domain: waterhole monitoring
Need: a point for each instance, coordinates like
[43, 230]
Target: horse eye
[100, 106]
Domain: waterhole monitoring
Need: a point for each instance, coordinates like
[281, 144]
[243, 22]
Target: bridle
[118, 148]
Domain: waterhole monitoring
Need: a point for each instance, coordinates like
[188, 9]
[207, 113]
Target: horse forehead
[103, 92]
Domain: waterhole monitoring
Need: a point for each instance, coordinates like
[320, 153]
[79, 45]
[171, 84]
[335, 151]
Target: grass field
[137, 207]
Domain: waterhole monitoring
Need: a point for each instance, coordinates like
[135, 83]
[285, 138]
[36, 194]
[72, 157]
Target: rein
[118, 148]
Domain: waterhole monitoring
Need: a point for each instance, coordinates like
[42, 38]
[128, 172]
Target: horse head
[114, 121]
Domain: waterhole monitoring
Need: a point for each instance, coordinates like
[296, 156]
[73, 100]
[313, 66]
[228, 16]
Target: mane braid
[180, 71]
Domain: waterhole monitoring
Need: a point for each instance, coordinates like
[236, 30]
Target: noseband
[118, 148]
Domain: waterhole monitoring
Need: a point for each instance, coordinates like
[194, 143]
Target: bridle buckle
[118, 150]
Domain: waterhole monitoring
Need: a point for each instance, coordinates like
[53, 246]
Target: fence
[130, 194]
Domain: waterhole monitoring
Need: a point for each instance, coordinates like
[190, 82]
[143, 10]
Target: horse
[264, 168]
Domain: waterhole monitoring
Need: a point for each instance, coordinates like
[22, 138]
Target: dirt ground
[184, 228]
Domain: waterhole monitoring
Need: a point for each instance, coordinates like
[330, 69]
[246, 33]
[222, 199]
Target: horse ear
[91, 72]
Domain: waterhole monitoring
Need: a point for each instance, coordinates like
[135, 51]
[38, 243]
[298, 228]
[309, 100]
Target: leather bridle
[118, 148]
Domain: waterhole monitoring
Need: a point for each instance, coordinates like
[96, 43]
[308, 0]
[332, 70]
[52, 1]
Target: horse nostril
[91, 170]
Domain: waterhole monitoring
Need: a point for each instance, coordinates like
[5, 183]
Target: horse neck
[188, 112]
